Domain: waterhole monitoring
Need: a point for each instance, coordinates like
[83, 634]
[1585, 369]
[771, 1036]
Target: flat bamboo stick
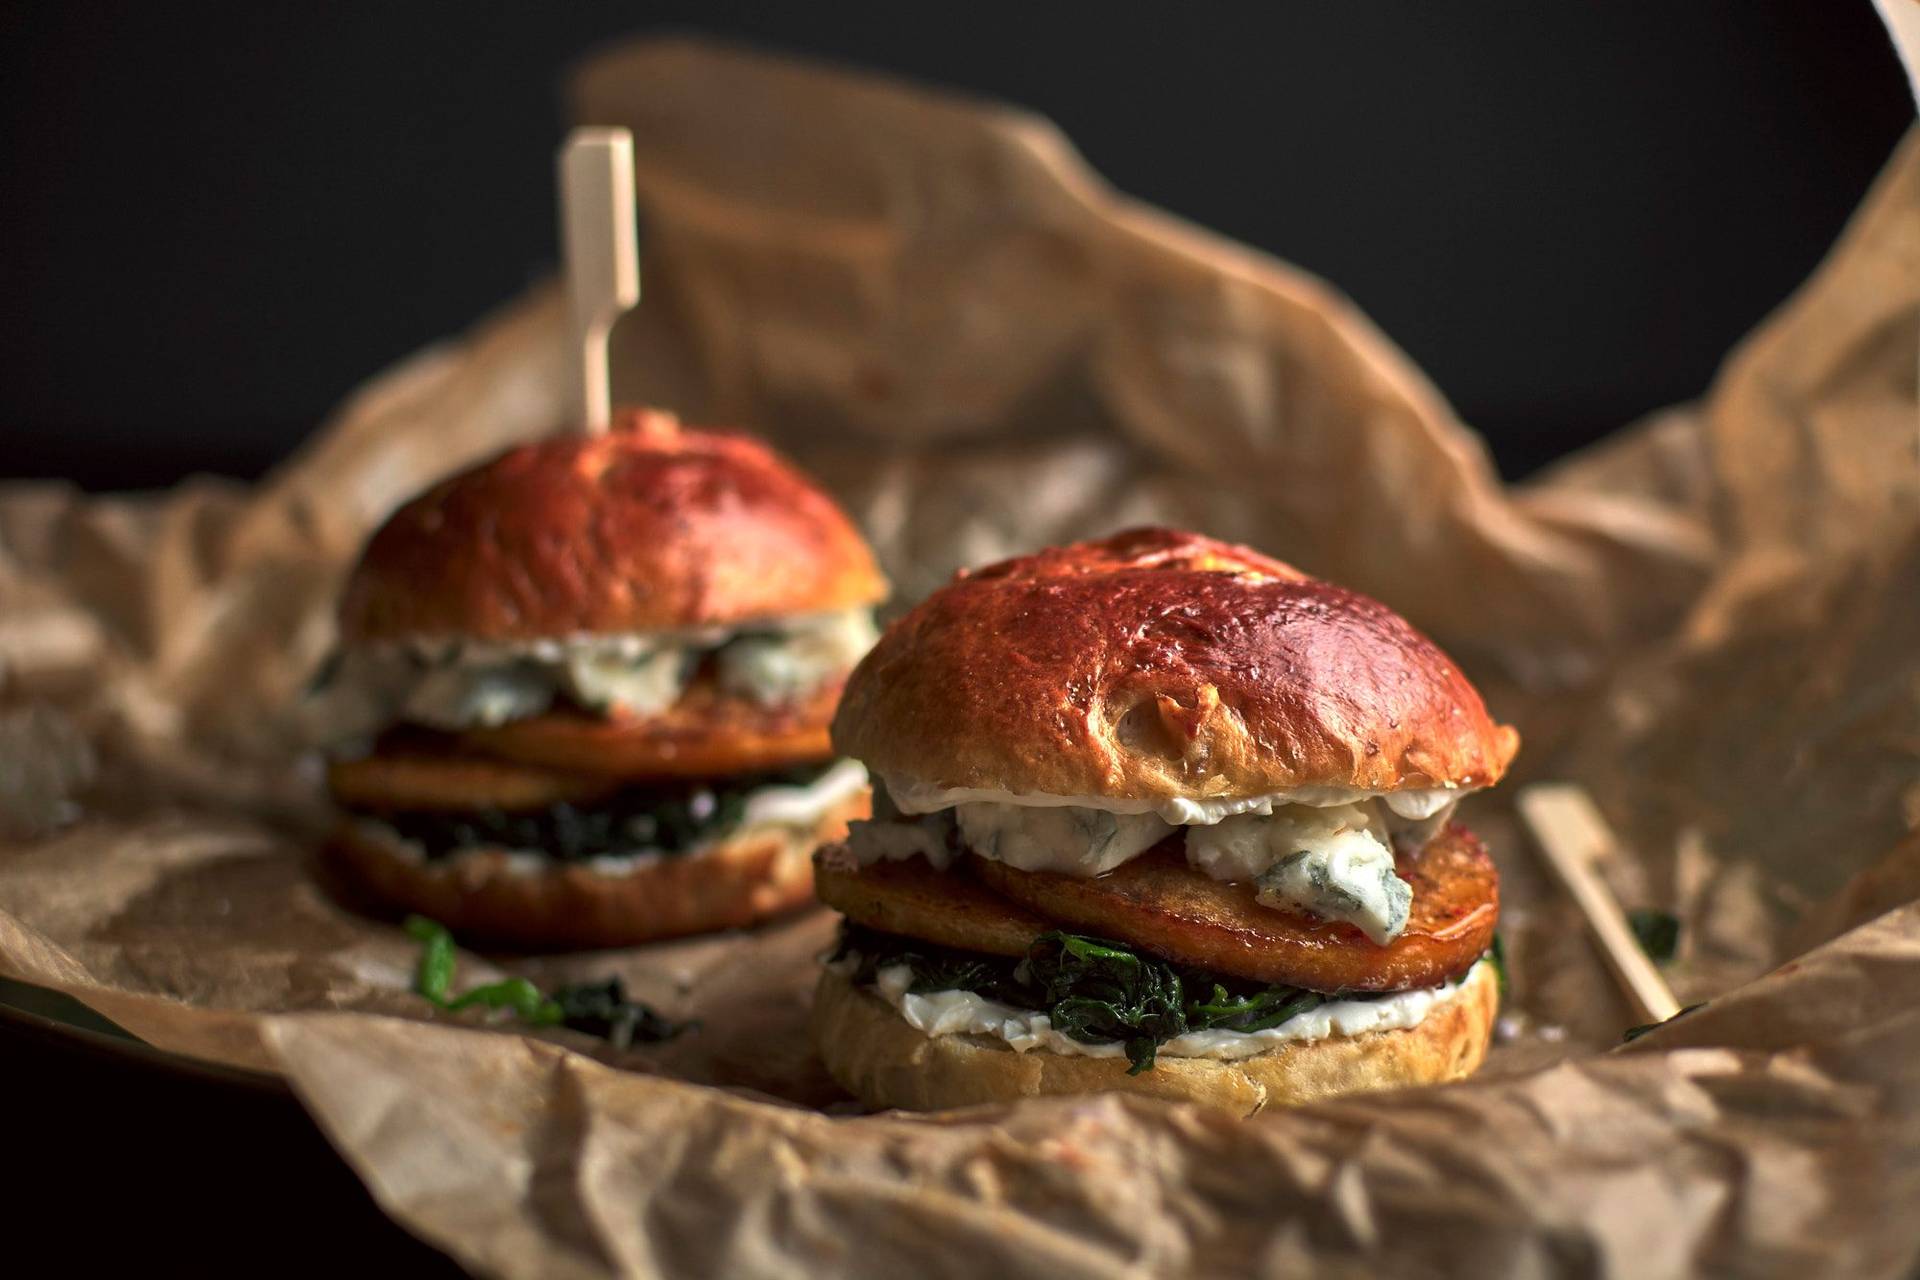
[1572, 835]
[598, 236]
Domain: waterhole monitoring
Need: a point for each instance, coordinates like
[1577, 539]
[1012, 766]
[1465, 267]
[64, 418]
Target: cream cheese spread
[943, 1013]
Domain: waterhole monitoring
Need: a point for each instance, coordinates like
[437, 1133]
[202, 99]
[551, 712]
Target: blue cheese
[779, 667]
[1329, 854]
[1076, 841]
[1348, 877]
[455, 697]
[1335, 863]
[639, 685]
[453, 684]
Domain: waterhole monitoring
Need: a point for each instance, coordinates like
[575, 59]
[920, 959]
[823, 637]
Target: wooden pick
[603, 258]
[1567, 826]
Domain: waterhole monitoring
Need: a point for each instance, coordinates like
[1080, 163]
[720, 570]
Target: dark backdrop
[215, 220]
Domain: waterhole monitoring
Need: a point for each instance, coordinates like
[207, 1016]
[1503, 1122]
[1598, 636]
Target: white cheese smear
[943, 1013]
[804, 804]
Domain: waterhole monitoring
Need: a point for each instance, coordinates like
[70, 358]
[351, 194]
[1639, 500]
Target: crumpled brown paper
[1712, 620]
[1745, 1143]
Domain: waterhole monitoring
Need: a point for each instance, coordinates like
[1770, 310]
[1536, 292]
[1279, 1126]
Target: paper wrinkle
[1712, 620]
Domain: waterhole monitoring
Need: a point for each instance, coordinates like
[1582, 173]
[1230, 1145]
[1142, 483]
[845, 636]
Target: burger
[582, 691]
[1160, 814]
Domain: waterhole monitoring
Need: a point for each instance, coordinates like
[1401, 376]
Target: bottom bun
[491, 895]
[876, 1055]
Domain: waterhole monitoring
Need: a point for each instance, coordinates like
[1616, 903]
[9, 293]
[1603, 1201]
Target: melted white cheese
[454, 684]
[1417, 806]
[771, 669]
[642, 684]
[1332, 863]
[965, 1012]
[452, 698]
[1077, 842]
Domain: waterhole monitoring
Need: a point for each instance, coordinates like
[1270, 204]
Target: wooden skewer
[603, 257]
[1571, 833]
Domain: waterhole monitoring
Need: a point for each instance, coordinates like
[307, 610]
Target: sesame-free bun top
[1156, 665]
[649, 526]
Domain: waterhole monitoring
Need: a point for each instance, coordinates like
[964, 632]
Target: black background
[215, 220]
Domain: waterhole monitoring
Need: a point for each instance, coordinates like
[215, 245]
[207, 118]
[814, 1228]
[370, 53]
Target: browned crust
[1160, 903]
[1155, 664]
[649, 526]
[419, 779]
[703, 734]
[874, 1054]
[751, 877]
[912, 899]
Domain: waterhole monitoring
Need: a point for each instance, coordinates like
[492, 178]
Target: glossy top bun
[649, 527]
[1155, 665]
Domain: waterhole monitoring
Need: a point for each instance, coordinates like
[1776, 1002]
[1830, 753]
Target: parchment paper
[1712, 620]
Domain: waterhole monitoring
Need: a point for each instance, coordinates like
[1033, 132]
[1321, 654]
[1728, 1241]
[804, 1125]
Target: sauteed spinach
[1092, 989]
[664, 818]
[595, 1008]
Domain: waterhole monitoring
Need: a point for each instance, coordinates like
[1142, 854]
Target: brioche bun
[481, 894]
[1154, 665]
[880, 1058]
[647, 527]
